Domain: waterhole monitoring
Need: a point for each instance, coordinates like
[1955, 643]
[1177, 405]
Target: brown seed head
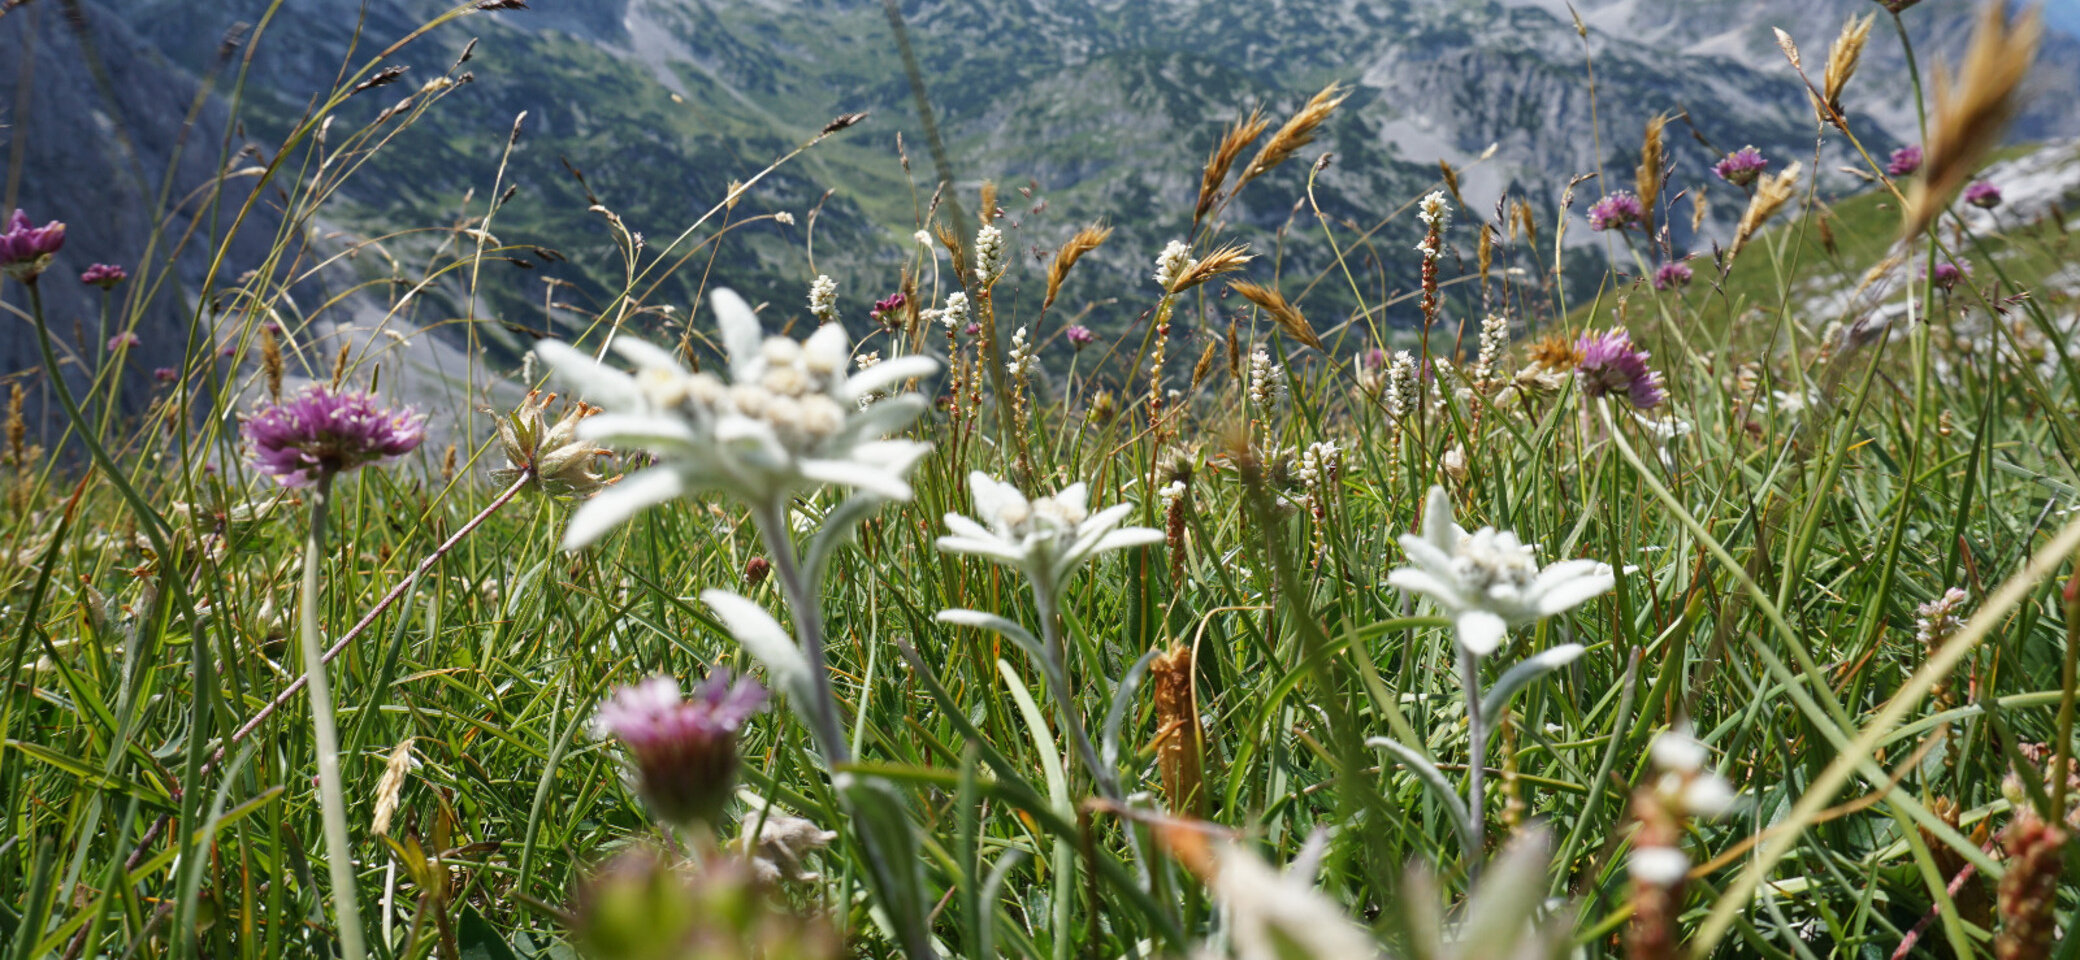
[1841, 65]
[1274, 303]
[1227, 259]
[1772, 191]
[1556, 351]
[1297, 132]
[1085, 240]
[271, 362]
[1973, 109]
[1646, 180]
[1243, 132]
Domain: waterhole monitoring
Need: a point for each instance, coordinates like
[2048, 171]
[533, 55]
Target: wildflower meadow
[1265, 613]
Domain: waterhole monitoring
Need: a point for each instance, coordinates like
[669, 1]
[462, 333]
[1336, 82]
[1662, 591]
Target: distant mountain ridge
[1104, 109]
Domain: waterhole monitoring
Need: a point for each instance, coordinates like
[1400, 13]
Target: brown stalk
[1222, 260]
[1771, 193]
[1841, 65]
[1281, 310]
[1973, 109]
[1297, 132]
[1085, 240]
[1646, 181]
[1243, 132]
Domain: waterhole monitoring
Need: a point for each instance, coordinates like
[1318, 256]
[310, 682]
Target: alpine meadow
[802, 479]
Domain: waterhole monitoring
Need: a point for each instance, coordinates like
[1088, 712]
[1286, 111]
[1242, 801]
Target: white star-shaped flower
[1488, 580]
[1048, 537]
[788, 418]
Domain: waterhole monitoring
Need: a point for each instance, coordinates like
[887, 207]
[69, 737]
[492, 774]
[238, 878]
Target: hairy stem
[1477, 756]
[339, 854]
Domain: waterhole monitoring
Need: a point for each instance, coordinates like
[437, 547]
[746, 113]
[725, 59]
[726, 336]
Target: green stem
[1476, 758]
[339, 855]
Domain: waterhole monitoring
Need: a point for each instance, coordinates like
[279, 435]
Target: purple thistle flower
[104, 275]
[1983, 195]
[1741, 167]
[1672, 275]
[1611, 363]
[166, 374]
[683, 751]
[1948, 274]
[1905, 161]
[127, 338]
[25, 251]
[319, 433]
[1079, 336]
[1617, 211]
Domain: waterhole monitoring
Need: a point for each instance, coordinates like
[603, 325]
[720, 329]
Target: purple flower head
[683, 752]
[104, 275]
[127, 338]
[165, 374]
[1611, 363]
[319, 433]
[973, 329]
[893, 303]
[25, 251]
[1905, 161]
[1617, 211]
[1741, 167]
[1983, 195]
[1080, 336]
[1948, 274]
[1672, 275]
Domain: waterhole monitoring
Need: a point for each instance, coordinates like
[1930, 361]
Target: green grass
[1769, 563]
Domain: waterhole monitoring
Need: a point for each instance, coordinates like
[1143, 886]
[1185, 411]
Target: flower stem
[339, 854]
[1055, 667]
[808, 630]
[1477, 756]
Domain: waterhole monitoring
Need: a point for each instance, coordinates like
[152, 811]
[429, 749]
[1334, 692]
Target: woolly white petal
[615, 505]
[893, 456]
[645, 354]
[992, 548]
[829, 345]
[636, 430]
[1481, 631]
[741, 333]
[964, 527]
[1426, 555]
[1708, 795]
[1569, 594]
[1127, 538]
[886, 374]
[1439, 528]
[1076, 497]
[1426, 583]
[591, 381]
[850, 473]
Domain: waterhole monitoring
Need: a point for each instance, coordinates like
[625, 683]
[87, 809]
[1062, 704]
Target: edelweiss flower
[1275, 913]
[1488, 580]
[1048, 538]
[787, 419]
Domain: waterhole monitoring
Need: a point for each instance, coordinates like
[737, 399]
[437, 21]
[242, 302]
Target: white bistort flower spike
[1489, 581]
[788, 418]
[1047, 538]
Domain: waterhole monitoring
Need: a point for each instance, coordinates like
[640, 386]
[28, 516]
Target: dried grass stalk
[1274, 303]
[1180, 754]
[1240, 135]
[1224, 260]
[952, 242]
[1085, 240]
[1297, 132]
[391, 786]
[1841, 65]
[1771, 193]
[1646, 181]
[1973, 109]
